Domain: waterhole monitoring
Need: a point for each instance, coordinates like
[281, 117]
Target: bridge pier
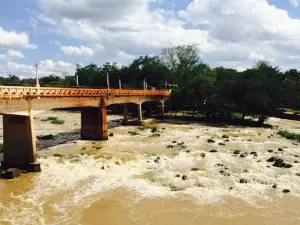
[125, 113]
[19, 150]
[140, 113]
[94, 124]
[149, 109]
[162, 108]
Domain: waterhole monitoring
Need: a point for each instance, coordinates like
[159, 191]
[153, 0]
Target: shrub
[154, 129]
[1, 147]
[51, 118]
[57, 121]
[133, 133]
[289, 135]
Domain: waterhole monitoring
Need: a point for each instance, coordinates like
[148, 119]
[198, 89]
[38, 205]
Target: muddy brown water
[137, 179]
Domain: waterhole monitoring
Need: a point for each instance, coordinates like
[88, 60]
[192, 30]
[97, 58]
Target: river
[171, 178]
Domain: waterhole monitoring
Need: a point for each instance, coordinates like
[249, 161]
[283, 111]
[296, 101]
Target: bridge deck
[17, 92]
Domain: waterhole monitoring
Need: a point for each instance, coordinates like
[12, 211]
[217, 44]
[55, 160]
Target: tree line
[214, 92]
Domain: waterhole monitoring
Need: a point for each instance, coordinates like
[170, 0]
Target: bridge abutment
[19, 150]
[94, 124]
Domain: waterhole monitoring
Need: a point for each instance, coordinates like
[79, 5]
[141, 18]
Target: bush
[289, 135]
[154, 129]
[1, 147]
[237, 116]
[133, 133]
[51, 118]
[57, 121]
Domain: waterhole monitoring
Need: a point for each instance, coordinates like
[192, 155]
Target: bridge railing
[12, 92]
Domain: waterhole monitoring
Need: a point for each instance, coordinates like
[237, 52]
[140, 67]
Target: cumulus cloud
[103, 10]
[14, 39]
[77, 51]
[46, 19]
[295, 3]
[229, 32]
[14, 53]
[45, 68]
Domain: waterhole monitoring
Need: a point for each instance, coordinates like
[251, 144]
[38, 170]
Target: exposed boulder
[244, 155]
[236, 152]
[243, 181]
[184, 177]
[277, 162]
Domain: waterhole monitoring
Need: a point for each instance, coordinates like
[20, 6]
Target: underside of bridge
[20, 141]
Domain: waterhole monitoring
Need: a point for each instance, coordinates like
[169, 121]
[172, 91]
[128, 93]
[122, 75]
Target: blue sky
[58, 34]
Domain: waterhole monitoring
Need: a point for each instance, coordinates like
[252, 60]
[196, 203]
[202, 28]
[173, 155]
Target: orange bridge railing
[13, 92]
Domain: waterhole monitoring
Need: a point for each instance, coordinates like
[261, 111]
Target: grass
[289, 135]
[1, 147]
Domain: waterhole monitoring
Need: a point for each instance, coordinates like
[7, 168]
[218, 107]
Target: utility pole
[76, 78]
[107, 80]
[37, 83]
[120, 84]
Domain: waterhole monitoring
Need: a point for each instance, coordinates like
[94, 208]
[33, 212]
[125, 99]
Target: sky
[58, 34]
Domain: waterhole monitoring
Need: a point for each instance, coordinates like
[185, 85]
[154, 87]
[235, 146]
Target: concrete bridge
[19, 104]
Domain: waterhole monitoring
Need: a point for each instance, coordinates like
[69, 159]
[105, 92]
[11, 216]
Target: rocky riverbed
[169, 172]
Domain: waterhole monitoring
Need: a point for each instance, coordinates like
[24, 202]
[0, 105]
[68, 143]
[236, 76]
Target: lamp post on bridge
[76, 79]
[37, 83]
[107, 80]
[120, 84]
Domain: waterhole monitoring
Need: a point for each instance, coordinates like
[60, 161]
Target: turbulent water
[170, 178]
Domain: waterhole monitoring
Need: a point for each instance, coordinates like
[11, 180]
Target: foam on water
[64, 184]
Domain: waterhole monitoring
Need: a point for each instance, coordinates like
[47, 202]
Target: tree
[182, 62]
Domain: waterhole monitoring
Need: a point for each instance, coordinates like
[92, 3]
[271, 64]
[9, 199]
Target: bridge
[19, 104]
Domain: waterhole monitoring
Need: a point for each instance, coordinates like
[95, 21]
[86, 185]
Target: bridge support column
[94, 124]
[125, 113]
[162, 108]
[19, 143]
[149, 109]
[140, 112]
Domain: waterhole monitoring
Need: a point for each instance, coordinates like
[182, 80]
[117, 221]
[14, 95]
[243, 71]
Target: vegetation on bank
[289, 135]
[55, 120]
[45, 137]
[222, 93]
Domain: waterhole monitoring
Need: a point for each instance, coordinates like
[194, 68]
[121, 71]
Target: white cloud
[3, 57]
[14, 53]
[77, 51]
[236, 33]
[14, 39]
[46, 19]
[45, 68]
[295, 3]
